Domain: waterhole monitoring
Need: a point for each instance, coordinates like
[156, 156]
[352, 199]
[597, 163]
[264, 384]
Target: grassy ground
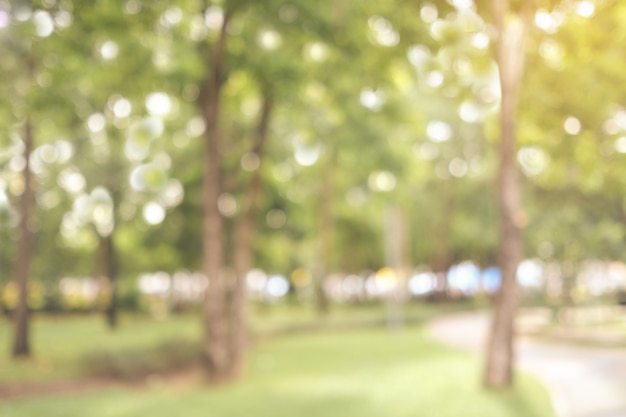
[361, 372]
[61, 343]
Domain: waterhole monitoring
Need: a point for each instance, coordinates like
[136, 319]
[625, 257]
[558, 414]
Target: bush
[137, 364]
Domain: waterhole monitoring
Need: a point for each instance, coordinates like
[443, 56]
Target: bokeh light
[438, 131]
[44, 25]
[227, 205]
[572, 125]
[153, 213]
[382, 181]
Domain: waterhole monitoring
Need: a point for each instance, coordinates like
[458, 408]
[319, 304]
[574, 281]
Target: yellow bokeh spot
[300, 277]
[387, 273]
[10, 296]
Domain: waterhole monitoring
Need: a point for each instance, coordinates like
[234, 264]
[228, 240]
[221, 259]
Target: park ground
[348, 364]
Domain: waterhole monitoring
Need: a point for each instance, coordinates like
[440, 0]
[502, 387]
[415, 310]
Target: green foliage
[354, 87]
[129, 365]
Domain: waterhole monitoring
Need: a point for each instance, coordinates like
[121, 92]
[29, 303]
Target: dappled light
[308, 208]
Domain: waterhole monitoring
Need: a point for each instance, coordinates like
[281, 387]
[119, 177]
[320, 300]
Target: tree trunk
[444, 257]
[396, 240]
[325, 249]
[510, 51]
[215, 345]
[110, 271]
[243, 248]
[21, 345]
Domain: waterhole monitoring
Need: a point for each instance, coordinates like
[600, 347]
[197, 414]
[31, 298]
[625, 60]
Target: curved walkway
[583, 381]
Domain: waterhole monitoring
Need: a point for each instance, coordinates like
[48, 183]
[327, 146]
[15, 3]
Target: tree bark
[396, 240]
[215, 345]
[21, 344]
[444, 257]
[243, 247]
[110, 271]
[325, 248]
[510, 52]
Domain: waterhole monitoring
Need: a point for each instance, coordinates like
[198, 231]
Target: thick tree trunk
[215, 346]
[510, 51]
[243, 247]
[21, 345]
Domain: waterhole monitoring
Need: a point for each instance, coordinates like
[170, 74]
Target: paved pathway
[583, 381]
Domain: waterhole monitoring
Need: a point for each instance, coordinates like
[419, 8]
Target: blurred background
[315, 182]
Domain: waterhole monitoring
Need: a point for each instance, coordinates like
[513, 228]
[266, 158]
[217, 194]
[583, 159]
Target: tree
[21, 342]
[21, 47]
[510, 46]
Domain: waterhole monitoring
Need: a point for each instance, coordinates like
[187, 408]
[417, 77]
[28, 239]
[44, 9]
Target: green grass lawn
[60, 343]
[349, 373]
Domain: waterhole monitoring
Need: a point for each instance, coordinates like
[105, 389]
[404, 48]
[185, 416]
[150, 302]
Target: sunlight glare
[122, 108]
[438, 131]
[96, 122]
[533, 160]
[148, 177]
[317, 51]
[44, 26]
[153, 213]
[422, 283]
[469, 111]
[197, 28]
[480, 40]
[382, 181]
[458, 167]
[372, 99]
[172, 194]
[277, 286]
[214, 18]
[108, 50]
[418, 55]
[158, 104]
[585, 8]
[544, 21]
[306, 155]
[620, 144]
[269, 39]
[5, 19]
[434, 79]
[426, 151]
[429, 13]
[572, 126]
[71, 180]
[172, 16]
[462, 4]
[65, 149]
[195, 127]
[384, 33]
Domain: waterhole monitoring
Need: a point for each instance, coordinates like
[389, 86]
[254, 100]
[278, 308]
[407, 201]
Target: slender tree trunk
[443, 253]
[110, 271]
[21, 345]
[215, 346]
[325, 248]
[243, 247]
[510, 52]
[396, 257]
